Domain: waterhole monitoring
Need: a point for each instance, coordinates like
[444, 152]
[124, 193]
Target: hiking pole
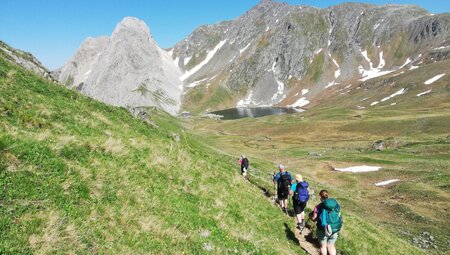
[274, 188]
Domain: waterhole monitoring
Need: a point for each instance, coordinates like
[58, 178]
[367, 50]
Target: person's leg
[323, 241]
[330, 244]
[323, 249]
[280, 197]
[331, 249]
[299, 218]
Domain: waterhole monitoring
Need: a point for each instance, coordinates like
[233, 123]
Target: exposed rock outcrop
[126, 69]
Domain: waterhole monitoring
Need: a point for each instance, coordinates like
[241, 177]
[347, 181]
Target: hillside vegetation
[80, 177]
[336, 133]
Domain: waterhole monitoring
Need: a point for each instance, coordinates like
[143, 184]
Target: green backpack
[331, 215]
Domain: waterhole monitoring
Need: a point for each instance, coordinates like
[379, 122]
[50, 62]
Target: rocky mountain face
[275, 54]
[24, 59]
[126, 69]
[282, 55]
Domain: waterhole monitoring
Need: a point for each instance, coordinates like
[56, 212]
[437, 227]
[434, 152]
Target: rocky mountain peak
[131, 25]
[127, 69]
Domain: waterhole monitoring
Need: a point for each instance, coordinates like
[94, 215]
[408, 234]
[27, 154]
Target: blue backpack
[302, 192]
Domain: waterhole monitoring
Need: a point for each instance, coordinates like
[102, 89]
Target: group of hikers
[327, 214]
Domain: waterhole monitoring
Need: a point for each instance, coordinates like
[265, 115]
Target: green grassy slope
[379, 220]
[78, 176]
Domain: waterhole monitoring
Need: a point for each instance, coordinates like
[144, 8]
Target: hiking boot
[299, 226]
[303, 224]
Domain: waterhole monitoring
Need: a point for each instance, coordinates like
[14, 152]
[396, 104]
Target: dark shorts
[244, 169]
[283, 193]
[299, 207]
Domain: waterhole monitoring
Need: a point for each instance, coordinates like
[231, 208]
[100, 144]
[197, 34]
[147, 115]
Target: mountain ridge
[274, 51]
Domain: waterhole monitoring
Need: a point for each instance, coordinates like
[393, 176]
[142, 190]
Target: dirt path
[307, 242]
[305, 239]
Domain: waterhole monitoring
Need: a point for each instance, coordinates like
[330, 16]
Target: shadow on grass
[267, 191]
[290, 235]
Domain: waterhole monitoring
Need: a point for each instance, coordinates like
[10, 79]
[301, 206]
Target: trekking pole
[274, 188]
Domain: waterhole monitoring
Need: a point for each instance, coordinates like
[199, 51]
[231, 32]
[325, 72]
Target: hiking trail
[305, 239]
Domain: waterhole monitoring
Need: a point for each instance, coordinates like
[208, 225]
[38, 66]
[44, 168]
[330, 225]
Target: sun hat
[298, 177]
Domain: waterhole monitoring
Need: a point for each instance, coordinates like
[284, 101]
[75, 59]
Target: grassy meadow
[80, 177]
[378, 220]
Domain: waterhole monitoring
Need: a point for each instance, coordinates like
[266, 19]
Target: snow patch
[373, 72]
[195, 83]
[243, 49]
[331, 84]
[246, 101]
[279, 92]
[394, 104]
[186, 60]
[413, 67]
[209, 56]
[337, 73]
[423, 93]
[435, 78]
[273, 67]
[301, 102]
[170, 52]
[358, 169]
[402, 91]
[442, 47]
[267, 29]
[374, 103]
[384, 183]
[305, 91]
[397, 74]
[406, 63]
[378, 24]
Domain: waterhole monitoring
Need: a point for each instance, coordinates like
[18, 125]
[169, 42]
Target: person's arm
[275, 178]
[292, 189]
[314, 214]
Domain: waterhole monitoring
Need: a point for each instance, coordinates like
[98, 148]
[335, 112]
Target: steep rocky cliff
[126, 69]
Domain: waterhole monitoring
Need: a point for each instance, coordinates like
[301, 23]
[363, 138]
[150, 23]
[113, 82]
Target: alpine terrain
[96, 159]
[126, 69]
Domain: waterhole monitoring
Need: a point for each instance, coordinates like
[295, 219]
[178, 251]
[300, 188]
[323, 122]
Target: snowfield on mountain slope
[358, 169]
[387, 182]
[435, 78]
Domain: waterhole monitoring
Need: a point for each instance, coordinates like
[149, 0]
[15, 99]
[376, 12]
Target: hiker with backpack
[300, 196]
[283, 180]
[328, 218]
[244, 163]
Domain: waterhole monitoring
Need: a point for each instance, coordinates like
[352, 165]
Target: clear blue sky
[52, 30]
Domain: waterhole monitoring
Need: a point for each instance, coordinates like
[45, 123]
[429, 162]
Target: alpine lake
[254, 112]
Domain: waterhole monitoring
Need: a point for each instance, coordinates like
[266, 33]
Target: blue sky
[52, 30]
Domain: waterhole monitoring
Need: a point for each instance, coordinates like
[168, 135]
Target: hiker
[328, 218]
[283, 180]
[300, 195]
[244, 163]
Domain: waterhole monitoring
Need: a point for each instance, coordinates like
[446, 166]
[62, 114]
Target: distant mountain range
[275, 54]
